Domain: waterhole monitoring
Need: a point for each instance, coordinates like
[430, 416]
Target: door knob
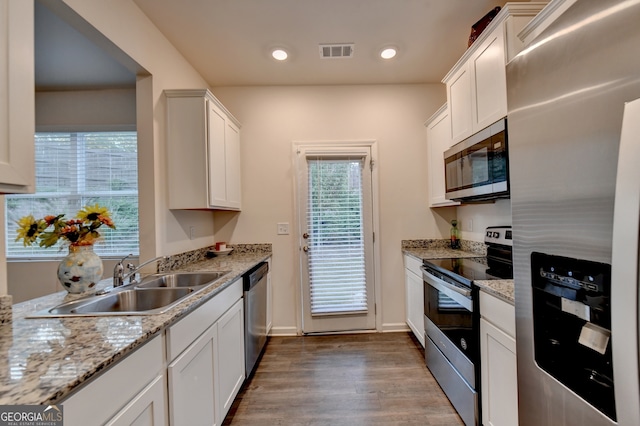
[305, 235]
[305, 249]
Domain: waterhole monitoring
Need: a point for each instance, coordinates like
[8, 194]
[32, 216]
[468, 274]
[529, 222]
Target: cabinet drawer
[105, 396]
[413, 264]
[499, 313]
[186, 331]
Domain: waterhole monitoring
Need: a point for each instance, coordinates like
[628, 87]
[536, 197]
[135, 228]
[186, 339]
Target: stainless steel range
[452, 320]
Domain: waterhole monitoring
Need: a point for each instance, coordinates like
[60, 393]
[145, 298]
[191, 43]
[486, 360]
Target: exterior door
[335, 206]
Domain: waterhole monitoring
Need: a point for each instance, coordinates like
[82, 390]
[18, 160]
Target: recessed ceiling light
[279, 54]
[388, 53]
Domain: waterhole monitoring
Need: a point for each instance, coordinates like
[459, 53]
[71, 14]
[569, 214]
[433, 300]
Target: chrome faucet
[118, 271]
[133, 270]
[119, 275]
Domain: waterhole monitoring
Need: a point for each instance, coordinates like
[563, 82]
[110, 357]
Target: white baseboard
[283, 331]
[386, 328]
[395, 327]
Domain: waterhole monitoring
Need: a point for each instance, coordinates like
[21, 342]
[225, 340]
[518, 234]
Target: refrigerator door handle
[624, 269]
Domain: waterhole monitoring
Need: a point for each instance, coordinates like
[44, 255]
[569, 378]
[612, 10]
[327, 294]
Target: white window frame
[78, 191]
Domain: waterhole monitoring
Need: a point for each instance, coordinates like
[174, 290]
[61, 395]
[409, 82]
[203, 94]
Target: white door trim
[375, 188]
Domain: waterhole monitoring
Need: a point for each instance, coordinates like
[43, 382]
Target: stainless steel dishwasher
[255, 314]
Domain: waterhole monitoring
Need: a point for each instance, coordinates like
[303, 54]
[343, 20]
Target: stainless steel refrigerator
[575, 267]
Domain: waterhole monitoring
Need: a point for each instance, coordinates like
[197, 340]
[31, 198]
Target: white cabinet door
[148, 408]
[489, 83]
[216, 155]
[269, 300]
[232, 167]
[438, 141]
[477, 84]
[203, 152]
[459, 103]
[17, 96]
[230, 357]
[414, 291]
[192, 393]
[207, 349]
[498, 362]
[499, 376]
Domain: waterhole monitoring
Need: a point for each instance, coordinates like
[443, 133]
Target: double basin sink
[154, 294]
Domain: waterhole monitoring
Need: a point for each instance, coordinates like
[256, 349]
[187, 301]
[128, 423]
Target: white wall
[162, 231]
[132, 37]
[86, 110]
[274, 117]
[482, 216]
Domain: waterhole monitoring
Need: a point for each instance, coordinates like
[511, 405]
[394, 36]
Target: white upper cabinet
[438, 141]
[17, 97]
[459, 104]
[203, 152]
[489, 94]
[477, 85]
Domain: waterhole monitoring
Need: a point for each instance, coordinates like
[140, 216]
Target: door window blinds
[336, 253]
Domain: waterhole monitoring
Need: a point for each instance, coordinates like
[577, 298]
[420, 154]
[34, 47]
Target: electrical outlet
[470, 225]
[283, 228]
[192, 232]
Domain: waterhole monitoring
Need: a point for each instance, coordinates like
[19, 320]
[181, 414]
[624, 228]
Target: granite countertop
[43, 360]
[438, 253]
[439, 249]
[502, 289]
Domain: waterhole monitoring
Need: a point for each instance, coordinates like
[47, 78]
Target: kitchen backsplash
[177, 261]
[472, 246]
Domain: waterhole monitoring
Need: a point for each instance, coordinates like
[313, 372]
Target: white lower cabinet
[132, 392]
[498, 362]
[146, 409]
[230, 357]
[414, 292]
[192, 393]
[187, 376]
[269, 298]
[205, 351]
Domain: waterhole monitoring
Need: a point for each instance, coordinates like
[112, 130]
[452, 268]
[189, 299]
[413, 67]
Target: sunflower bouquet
[80, 231]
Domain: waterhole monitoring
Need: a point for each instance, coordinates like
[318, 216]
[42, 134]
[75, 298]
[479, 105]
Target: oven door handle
[466, 292]
[460, 295]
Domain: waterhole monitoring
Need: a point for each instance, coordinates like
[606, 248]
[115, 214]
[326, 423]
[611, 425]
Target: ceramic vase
[80, 270]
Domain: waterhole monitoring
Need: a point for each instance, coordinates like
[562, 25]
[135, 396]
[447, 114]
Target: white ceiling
[229, 41]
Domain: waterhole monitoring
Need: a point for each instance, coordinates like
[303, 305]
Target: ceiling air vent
[336, 50]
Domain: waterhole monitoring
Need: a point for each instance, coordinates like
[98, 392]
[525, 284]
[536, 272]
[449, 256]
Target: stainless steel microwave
[477, 169]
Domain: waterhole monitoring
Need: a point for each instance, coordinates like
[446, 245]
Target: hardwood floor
[356, 379]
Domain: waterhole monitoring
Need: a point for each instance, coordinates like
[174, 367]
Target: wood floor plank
[357, 379]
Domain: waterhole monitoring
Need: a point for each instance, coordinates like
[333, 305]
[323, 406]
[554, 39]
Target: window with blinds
[75, 169]
[336, 253]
